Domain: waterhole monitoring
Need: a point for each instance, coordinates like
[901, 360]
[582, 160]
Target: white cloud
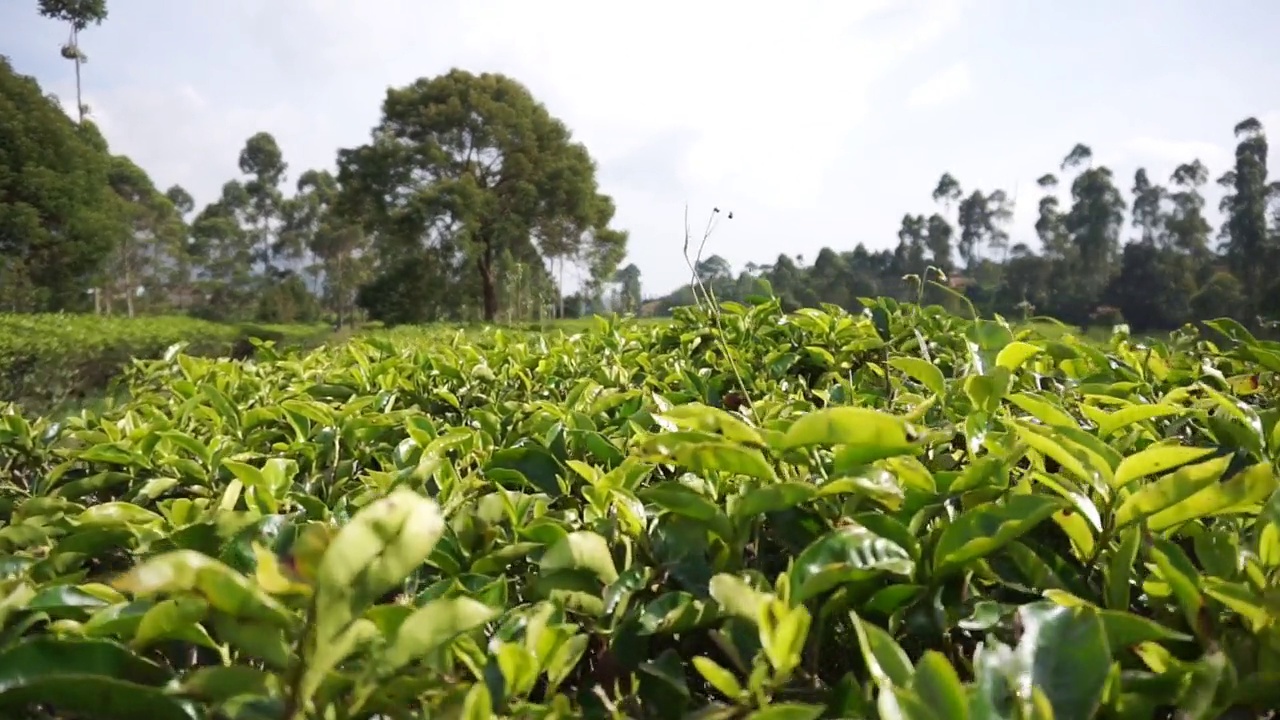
[946, 86]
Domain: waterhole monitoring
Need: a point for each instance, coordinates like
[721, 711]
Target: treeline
[466, 199]
[468, 202]
[1153, 260]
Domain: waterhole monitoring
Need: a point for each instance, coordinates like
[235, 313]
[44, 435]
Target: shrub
[47, 359]
[752, 515]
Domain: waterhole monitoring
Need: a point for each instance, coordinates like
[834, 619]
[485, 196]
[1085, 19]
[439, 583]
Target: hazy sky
[817, 123]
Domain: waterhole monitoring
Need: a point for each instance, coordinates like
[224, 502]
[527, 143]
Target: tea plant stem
[297, 672]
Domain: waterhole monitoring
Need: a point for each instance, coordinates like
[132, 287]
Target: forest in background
[469, 200]
[1153, 260]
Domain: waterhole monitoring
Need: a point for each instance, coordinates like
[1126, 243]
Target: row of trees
[466, 199]
[1173, 268]
[470, 200]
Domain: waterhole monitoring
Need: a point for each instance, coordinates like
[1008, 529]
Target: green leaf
[738, 598]
[226, 590]
[372, 553]
[845, 555]
[696, 416]
[1125, 417]
[89, 678]
[1240, 494]
[870, 434]
[581, 550]
[788, 711]
[1125, 630]
[118, 513]
[535, 464]
[936, 683]
[885, 659]
[221, 683]
[1120, 569]
[924, 371]
[1156, 460]
[1169, 491]
[706, 456]
[1043, 411]
[430, 627]
[175, 619]
[680, 499]
[772, 498]
[1093, 471]
[987, 528]
[1013, 355]
[1065, 651]
[719, 678]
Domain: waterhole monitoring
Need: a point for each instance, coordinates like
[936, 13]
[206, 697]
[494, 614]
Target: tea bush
[901, 514]
[47, 359]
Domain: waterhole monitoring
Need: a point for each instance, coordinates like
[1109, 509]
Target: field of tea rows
[55, 359]
[900, 514]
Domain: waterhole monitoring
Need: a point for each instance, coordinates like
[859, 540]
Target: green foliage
[78, 13]
[59, 219]
[51, 359]
[894, 514]
[464, 169]
[1164, 277]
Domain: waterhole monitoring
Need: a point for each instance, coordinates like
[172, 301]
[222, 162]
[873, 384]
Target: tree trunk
[75, 43]
[490, 292]
[341, 294]
[560, 288]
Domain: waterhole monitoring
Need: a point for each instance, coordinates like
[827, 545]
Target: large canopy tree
[58, 216]
[463, 167]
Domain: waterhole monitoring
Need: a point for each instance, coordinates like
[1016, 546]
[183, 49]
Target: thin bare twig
[712, 306]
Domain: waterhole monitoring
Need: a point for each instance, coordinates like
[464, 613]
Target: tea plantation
[899, 514]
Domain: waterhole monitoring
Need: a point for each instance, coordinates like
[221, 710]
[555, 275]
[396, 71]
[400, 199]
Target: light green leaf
[1013, 355]
[1241, 494]
[226, 590]
[872, 433]
[1169, 491]
[430, 627]
[581, 550]
[697, 416]
[922, 370]
[1156, 460]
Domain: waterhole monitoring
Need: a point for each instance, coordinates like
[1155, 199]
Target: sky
[816, 122]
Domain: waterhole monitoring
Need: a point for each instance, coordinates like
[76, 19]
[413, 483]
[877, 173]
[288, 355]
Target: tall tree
[629, 292]
[1094, 221]
[1051, 225]
[1187, 227]
[314, 221]
[912, 242]
[475, 164]
[938, 233]
[151, 242]
[982, 220]
[972, 222]
[263, 162]
[183, 204]
[225, 253]
[78, 15]
[1148, 211]
[1248, 249]
[947, 190]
